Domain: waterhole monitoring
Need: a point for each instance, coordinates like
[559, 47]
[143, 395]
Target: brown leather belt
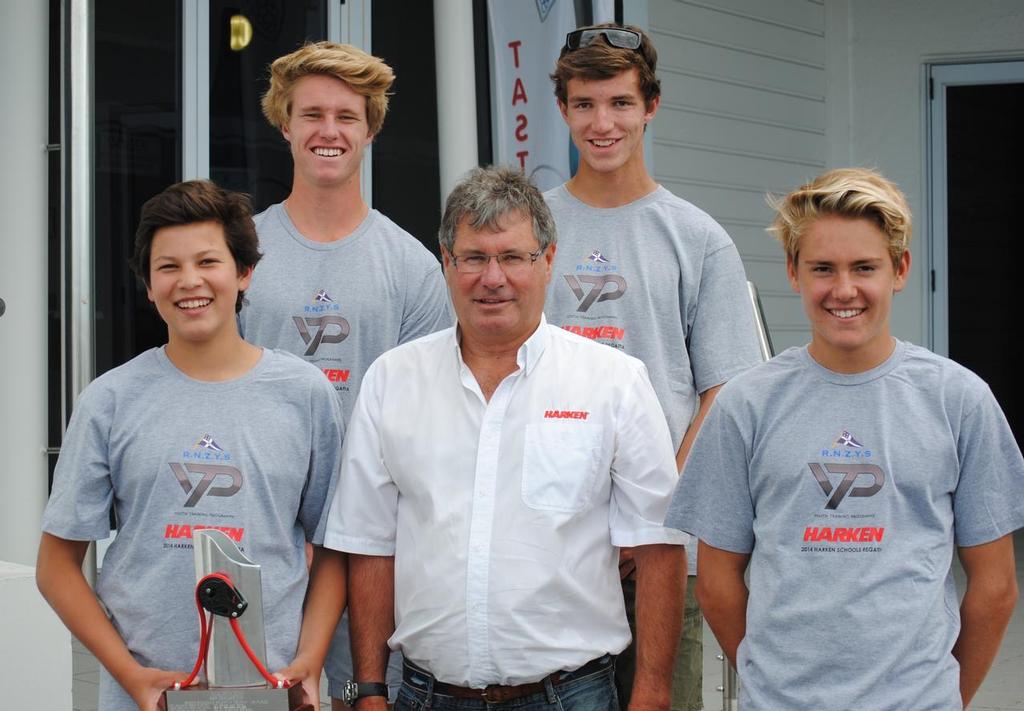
[496, 693]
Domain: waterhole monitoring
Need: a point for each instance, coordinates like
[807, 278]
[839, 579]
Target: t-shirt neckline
[293, 231]
[165, 364]
[650, 197]
[865, 376]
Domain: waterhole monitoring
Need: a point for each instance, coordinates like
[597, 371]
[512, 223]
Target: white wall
[743, 114]
[35, 654]
[876, 97]
[23, 276]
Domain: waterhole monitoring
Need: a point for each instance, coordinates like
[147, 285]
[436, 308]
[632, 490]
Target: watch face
[350, 692]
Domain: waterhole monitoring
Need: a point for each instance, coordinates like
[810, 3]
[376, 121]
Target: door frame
[941, 76]
[347, 22]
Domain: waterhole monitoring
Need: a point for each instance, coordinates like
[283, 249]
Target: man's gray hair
[486, 195]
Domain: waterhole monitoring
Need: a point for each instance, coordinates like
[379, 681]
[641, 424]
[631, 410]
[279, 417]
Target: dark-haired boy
[208, 431]
[642, 270]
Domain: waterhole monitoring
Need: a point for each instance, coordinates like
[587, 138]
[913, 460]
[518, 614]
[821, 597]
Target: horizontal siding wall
[742, 115]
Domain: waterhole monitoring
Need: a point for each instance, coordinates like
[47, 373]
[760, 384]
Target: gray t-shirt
[341, 304]
[255, 457]
[850, 493]
[661, 280]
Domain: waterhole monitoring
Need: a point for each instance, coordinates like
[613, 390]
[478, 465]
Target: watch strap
[355, 690]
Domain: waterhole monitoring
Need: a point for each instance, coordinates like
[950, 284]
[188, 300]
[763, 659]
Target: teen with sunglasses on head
[645, 271]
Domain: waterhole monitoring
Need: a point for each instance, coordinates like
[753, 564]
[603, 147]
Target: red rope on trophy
[216, 594]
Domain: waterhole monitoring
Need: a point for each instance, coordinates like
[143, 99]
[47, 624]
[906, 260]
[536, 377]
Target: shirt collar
[529, 353]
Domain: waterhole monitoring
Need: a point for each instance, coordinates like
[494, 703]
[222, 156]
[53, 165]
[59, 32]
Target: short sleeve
[327, 436]
[426, 308]
[643, 469]
[83, 492]
[364, 509]
[722, 338]
[987, 504]
[712, 500]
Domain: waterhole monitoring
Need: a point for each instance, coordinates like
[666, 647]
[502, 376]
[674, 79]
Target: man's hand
[146, 686]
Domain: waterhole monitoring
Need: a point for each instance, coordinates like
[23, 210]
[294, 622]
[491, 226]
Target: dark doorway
[138, 154]
[406, 168]
[984, 151]
[246, 152]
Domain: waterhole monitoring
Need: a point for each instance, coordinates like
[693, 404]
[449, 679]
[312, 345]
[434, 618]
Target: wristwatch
[355, 690]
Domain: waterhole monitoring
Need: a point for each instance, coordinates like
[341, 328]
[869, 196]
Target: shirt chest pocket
[560, 461]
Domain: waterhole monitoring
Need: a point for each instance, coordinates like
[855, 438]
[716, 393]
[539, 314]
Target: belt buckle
[493, 693]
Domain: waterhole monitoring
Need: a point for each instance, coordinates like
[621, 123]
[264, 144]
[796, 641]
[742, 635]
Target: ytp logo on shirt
[206, 448]
[593, 283]
[590, 290]
[328, 329]
[849, 473]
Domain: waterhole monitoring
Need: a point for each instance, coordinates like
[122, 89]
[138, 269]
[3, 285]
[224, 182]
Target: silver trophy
[229, 587]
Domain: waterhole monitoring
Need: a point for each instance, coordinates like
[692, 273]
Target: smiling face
[327, 131]
[495, 308]
[846, 279]
[606, 118]
[194, 283]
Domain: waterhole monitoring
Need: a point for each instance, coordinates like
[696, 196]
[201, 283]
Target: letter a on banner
[528, 130]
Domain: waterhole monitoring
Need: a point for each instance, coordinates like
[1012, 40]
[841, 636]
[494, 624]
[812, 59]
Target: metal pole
[195, 100]
[78, 211]
[79, 204]
[763, 337]
[456, 91]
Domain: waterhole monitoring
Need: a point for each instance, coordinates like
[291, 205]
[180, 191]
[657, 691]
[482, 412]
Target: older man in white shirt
[491, 473]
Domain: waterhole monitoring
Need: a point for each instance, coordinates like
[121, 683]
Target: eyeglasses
[623, 39]
[510, 262]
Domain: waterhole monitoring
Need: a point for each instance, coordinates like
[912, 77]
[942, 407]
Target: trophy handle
[227, 664]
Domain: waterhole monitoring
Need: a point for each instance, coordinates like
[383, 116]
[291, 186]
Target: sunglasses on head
[623, 39]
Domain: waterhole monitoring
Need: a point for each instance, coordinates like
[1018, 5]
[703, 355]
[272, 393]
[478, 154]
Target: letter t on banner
[526, 37]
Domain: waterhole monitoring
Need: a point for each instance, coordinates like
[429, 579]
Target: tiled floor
[1003, 690]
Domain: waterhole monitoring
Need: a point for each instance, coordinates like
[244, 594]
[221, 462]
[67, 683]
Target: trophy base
[197, 698]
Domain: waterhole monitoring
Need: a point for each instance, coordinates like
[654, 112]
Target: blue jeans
[593, 692]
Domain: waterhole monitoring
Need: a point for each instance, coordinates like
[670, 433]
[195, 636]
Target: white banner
[526, 36]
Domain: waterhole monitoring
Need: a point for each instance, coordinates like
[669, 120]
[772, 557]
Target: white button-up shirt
[504, 516]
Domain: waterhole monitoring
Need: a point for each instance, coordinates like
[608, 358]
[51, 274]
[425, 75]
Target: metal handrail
[730, 681]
